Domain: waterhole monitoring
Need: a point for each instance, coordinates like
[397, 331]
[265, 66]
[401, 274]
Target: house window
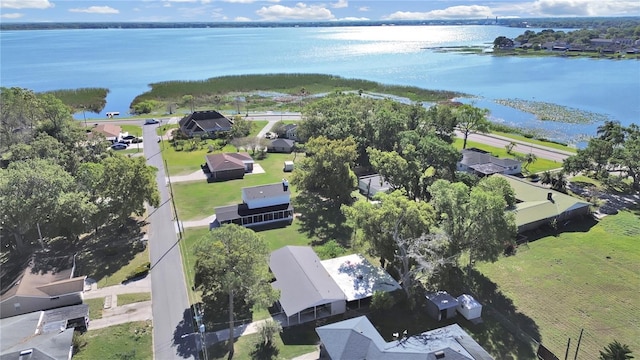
[268, 217]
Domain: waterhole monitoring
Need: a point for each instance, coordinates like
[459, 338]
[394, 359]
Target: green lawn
[186, 162]
[121, 274]
[124, 299]
[95, 307]
[245, 345]
[536, 141]
[127, 341]
[578, 280]
[135, 130]
[162, 129]
[256, 126]
[538, 166]
[197, 200]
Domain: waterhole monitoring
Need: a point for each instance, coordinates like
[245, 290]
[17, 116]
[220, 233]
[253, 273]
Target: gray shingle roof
[302, 280]
[357, 338]
[265, 191]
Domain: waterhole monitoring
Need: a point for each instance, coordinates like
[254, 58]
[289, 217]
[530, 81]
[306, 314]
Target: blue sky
[310, 10]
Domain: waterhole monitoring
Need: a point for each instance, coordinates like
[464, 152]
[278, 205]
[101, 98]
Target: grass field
[579, 280]
[246, 345]
[95, 307]
[538, 166]
[536, 141]
[130, 341]
[197, 200]
[124, 299]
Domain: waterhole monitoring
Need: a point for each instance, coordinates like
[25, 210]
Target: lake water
[127, 60]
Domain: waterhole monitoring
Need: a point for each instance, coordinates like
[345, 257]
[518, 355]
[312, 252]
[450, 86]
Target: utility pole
[175, 209]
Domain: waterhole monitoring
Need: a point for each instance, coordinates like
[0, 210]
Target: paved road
[170, 303]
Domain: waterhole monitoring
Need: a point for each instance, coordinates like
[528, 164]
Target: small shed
[469, 307]
[441, 305]
[288, 166]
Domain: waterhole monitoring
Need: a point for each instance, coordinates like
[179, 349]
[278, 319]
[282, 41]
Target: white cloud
[364, 8]
[242, 19]
[96, 10]
[25, 4]
[353, 18]
[299, 12]
[11, 16]
[247, 1]
[340, 4]
[586, 7]
[453, 12]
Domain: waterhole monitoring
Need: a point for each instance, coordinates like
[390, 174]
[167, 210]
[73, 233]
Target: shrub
[140, 271]
[381, 301]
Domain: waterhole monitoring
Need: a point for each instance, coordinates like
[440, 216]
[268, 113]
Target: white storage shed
[469, 307]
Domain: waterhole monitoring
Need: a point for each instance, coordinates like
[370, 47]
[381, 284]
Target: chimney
[285, 185]
[439, 354]
[550, 196]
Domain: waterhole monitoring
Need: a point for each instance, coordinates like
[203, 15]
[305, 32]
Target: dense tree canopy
[57, 178]
[475, 219]
[232, 263]
[616, 149]
[397, 230]
[326, 170]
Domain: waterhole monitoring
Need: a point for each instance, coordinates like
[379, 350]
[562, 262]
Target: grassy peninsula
[89, 99]
[264, 92]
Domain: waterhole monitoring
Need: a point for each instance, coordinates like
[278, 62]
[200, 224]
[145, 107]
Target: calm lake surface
[127, 60]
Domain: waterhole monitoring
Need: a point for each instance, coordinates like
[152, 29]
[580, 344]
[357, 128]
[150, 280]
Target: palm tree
[616, 351]
[546, 177]
[529, 159]
[611, 131]
[559, 182]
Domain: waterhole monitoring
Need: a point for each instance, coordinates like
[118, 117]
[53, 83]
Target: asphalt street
[170, 302]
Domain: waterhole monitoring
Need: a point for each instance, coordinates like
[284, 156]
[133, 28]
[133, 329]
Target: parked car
[151, 121]
[129, 137]
[119, 146]
[136, 140]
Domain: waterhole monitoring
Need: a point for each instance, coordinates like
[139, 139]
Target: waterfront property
[357, 338]
[311, 289]
[227, 166]
[261, 205]
[482, 163]
[204, 123]
[110, 132]
[537, 206]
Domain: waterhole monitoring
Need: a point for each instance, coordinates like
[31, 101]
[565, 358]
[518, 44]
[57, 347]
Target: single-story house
[290, 132]
[312, 289]
[370, 185]
[307, 291]
[537, 205]
[357, 338]
[34, 290]
[482, 163]
[209, 122]
[42, 334]
[441, 305]
[227, 166]
[111, 132]
[261, 205]
[281, 146]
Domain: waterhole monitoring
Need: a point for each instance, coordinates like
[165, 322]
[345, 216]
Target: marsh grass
[91, 99]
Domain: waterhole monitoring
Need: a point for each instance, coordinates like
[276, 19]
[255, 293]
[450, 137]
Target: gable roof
[265, 191]
[108, 130]
[227, 161]
[533, 202]
[290, 127]
[357, 338]
[302, 280]
[209, 120]
[35, 283]
[283, 143]
[485, 163]
[357, 277]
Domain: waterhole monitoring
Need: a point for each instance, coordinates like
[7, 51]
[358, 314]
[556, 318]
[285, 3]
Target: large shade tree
[397, 230]
[475, 219]
[232, 262]
[471, 119]
[326, 170]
